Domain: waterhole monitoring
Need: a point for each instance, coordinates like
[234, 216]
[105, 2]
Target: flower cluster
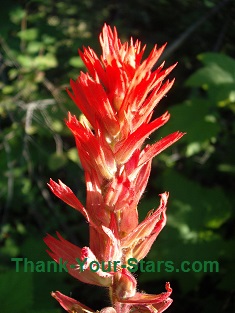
[117, 97]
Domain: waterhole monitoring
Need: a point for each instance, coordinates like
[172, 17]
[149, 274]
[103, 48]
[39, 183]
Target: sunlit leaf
[34, 46]
[17, 14]
[194, 205]
[45, 62]
[196, 118]
[219, 69]
[28, 34]
[73, 155]
[25, 61]
[56, 161]
[76, 62]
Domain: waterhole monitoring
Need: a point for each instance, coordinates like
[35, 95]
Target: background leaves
[38, 56]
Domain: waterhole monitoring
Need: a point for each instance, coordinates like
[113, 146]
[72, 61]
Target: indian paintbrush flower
[117, 97]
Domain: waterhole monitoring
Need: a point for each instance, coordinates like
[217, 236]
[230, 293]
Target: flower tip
[69, 116]
[168, 287]
[164, 196]
[51, 184]
[51, 181]
[46, 239]
[61, 184]
[166, 116]
[53, 294]
[161, 49]
[181, 134]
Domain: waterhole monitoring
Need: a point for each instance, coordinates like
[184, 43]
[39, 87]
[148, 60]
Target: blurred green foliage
[38, 56]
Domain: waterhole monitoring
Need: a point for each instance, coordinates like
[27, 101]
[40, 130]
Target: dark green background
[38, 56]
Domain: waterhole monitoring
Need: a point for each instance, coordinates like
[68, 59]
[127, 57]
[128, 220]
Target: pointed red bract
[69, 304]
[65, 193]
[139, 241]
[63, 252]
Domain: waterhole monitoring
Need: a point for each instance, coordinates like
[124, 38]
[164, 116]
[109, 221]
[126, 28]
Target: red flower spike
[117, 97]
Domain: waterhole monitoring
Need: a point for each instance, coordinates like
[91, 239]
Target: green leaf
[219, 69]
[194, 206]
[223, 61]
[34, 46]
[6, 90]
[196, 118]
[57, 126]
[48, 40]
[17, 14]
[223, 95]
[227, 168]
[57, 161]
[10, 247]
[25, 61]
[28, 34]
[73, 155]
[76, 62]
[44, 62]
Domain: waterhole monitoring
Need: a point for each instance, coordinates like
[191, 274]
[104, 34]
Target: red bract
[117, 97]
